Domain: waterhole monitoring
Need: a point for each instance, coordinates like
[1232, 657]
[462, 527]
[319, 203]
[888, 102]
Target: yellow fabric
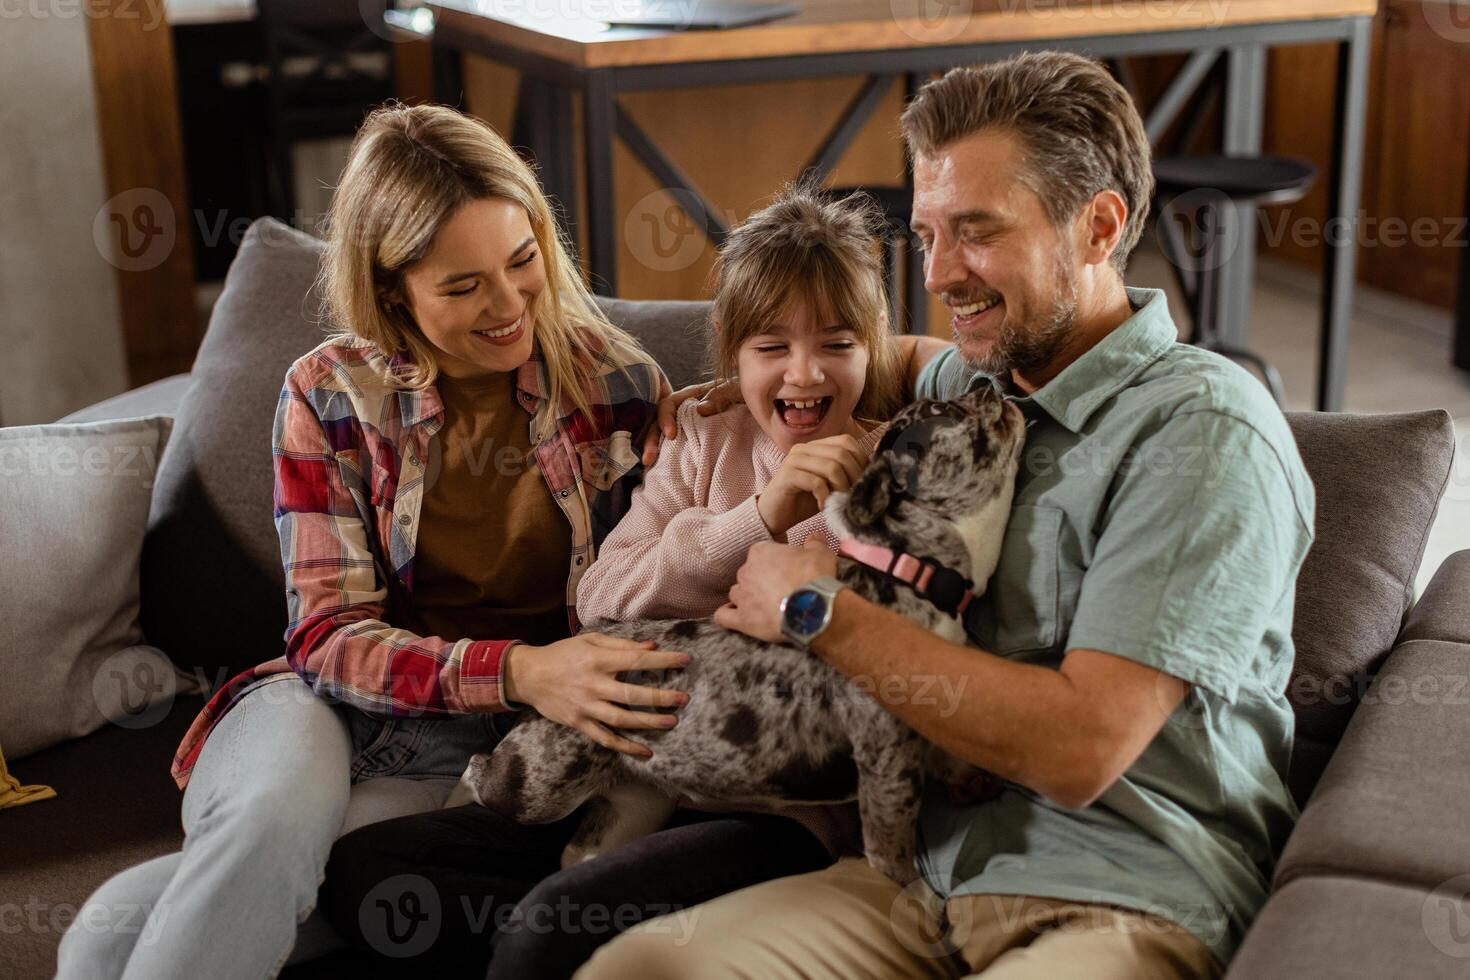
[12, 793]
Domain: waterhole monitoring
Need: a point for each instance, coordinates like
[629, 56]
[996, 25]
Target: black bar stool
[1207, 189]
[908, 309]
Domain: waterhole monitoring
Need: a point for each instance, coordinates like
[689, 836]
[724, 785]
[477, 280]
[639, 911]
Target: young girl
[437, 469]
[800, 319]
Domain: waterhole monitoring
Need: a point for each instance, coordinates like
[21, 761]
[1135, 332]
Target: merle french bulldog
[770, 724]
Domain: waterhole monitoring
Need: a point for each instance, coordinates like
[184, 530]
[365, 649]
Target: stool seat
[1255, 180]
[1206, 188]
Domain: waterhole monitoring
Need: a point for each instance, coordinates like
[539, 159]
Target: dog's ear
[870, 495]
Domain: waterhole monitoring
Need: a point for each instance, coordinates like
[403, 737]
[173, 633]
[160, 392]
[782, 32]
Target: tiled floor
[1398, 361]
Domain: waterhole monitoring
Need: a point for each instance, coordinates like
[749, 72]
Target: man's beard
[1028, 347]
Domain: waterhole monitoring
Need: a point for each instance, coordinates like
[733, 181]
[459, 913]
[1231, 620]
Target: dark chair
[328, 62]
[908, 308]
[1207, 190]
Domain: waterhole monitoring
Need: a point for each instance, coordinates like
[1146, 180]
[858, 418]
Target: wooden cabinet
[143, 162]
[1412, 231]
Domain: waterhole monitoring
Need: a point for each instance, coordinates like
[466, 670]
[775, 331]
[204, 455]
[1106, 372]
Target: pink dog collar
[941, 585]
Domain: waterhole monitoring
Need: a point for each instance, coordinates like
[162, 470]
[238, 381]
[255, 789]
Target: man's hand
[771, 572]
[715, 397]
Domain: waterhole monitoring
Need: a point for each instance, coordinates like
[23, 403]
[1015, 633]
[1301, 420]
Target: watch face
[804, 612]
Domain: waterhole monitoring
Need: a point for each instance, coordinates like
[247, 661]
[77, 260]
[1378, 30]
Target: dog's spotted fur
[771, 724]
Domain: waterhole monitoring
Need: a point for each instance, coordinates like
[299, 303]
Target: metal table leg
[543, 127]
[1461, 354]
[916, 295]
[446, 64]
[1245, 98]
[1343, 193]
[560, 162]
[599, 119]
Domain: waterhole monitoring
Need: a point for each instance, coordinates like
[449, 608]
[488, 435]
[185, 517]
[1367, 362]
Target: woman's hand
[715, 397]
[810, 472]
[574, 683]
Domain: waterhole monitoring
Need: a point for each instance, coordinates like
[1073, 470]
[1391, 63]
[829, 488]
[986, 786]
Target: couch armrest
[1443, 611]
[1392, 802]
[1384, 829]
[159, 398]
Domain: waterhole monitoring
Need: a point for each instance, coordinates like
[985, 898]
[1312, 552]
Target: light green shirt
[1161, 514]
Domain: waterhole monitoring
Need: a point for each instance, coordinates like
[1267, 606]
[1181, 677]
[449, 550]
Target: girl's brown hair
[409, 170]
[805, 245]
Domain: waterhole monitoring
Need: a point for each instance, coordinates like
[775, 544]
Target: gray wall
[61, 342]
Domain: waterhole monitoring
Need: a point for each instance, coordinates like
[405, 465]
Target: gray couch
[1370, 882]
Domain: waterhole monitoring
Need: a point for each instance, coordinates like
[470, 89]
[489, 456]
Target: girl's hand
[715, 397]
[809, 474]
[574, 682]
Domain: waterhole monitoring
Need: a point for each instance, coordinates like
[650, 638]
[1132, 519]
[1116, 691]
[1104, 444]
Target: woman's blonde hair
[409, 170]
[807, 246]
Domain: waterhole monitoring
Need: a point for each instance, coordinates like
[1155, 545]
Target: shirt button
[565, 492]
[413, 458]
[405, 520]
[579, 561]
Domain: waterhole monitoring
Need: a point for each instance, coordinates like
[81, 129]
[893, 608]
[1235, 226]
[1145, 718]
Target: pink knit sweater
[675, 553]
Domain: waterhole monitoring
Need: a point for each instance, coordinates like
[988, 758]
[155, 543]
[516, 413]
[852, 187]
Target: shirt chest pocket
[1023, 598]
[607, 463]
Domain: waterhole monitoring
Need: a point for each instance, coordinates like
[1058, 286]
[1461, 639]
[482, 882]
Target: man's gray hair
[1078, 129]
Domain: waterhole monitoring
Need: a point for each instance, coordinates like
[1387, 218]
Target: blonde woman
[444, 467]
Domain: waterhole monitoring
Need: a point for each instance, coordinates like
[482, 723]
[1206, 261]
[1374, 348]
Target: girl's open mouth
[803, 414]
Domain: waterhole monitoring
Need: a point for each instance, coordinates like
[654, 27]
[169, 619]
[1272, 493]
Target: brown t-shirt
[491, 558]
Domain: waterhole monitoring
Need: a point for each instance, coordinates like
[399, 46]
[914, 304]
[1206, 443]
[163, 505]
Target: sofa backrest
[213, 592]
[213, 589]
[1379, 480]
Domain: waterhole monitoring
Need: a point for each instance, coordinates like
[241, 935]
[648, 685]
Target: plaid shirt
[349, 455]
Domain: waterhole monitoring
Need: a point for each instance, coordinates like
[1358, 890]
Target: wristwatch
[806, 612]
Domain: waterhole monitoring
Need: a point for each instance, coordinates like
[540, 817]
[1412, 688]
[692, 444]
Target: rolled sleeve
[1197, 555]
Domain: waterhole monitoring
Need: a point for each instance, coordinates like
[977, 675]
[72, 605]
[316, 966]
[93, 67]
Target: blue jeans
[282, 776]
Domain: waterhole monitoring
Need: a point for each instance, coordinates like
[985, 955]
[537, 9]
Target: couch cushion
[1443, 611]
[675, 332]
[213, 591]
[115, 806]
[161, 397]
[1393, 800]
[1378, 479]
[76, 506]
[1346, 927]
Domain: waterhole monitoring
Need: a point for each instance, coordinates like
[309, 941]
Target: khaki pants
[849, 921]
